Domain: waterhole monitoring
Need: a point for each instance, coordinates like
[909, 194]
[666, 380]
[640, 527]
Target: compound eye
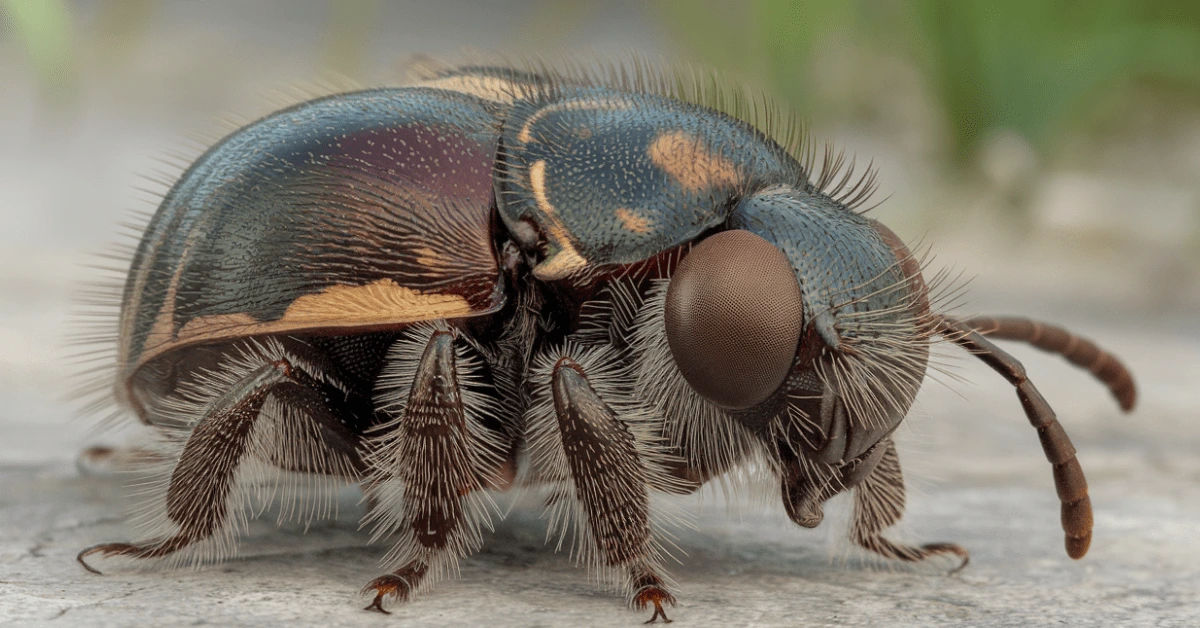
[733, 318]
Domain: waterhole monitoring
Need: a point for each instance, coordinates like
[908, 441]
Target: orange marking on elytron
[525, 136]
[567, 260]
[632, 221]
[377, 301]
[688, 161]
[376, 304]
[486, 87]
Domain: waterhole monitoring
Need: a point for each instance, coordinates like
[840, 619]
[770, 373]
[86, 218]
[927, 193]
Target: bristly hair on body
[828, 170]
[730, 451]
[282, 437]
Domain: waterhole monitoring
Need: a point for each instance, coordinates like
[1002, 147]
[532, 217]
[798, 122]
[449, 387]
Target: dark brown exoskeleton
[598, 286]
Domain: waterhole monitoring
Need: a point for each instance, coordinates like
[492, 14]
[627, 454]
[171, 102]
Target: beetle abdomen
[363, 211]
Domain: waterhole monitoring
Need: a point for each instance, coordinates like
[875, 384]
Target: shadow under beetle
[500, 276]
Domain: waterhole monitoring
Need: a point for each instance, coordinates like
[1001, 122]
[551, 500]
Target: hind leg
[227, 431]
[879, 504]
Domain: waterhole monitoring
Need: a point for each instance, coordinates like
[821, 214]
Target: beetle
[606, 285]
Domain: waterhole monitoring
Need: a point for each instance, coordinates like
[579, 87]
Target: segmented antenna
[1068, 475]
[1078, 350]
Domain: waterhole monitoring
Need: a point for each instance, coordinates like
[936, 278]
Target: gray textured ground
[975, 469]
[979, 481]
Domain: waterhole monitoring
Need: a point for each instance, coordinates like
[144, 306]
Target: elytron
[604, 285]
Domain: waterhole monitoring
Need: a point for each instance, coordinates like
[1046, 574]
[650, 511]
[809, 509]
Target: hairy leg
[431, 462]
[879, 504]
[227, 431]
[597, 450]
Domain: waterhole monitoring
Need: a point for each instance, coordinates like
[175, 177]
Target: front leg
[431, 462]
[878, 501]
[603, 463]
[879, 504]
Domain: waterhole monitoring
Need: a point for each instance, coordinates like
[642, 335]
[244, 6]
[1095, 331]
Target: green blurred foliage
[761, 41]
[116, 31]
[1031, 66]
[44, 29]
[112, 30]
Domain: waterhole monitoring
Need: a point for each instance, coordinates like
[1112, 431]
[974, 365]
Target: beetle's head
[803, 309]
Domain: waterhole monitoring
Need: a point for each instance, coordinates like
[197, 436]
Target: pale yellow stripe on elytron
[525, 136]
[567, 260]
[163, 328]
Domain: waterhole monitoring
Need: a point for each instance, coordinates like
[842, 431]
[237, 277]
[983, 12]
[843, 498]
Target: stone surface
[976, 477]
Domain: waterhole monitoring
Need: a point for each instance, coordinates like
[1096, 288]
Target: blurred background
[1048, 149]
[1045, 147]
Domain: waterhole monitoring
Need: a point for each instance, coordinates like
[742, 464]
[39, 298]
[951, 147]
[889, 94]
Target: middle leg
[431, 463]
